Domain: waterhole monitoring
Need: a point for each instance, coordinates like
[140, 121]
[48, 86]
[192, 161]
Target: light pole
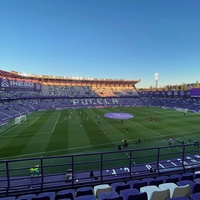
[156, 79]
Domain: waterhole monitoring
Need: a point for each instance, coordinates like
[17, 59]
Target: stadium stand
[21, 95]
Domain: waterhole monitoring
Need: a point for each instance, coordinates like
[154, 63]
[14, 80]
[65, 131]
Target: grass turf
[66, 132]
[58, 132]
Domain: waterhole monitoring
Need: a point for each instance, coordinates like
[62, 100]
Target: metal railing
[71, 171]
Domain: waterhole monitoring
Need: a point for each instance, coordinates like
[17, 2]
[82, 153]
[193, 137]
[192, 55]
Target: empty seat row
[133, 186]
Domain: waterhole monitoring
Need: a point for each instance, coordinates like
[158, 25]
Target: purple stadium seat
[139, 196]
[26, 197]
[172, 180]
[163, 178]
[127, 192]
[84, 191]
[114, 185]
[122, 187]
[156, 182]
[187, 176]
[148, 180]
[107, 195]
[86, 197]
[179, 176]
[132, 182]
[65, 194]
[139, 185]
[196, 188]
[45, 196]
[195, 196]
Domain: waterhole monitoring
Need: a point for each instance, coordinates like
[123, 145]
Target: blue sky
[120, 39]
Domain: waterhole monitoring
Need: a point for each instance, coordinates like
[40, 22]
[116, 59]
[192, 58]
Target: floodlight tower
[156, 79]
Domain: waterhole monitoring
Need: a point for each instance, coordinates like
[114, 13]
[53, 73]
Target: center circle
[118, 115]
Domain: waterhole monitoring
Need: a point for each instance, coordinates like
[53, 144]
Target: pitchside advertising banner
[6, 83]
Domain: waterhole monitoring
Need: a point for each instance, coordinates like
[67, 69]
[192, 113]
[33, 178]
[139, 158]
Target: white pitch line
[8, 130]
[129, 157]
[149, 129]
[31, 122]
[161, 165]
[56, 123]
[148, 166]
[34, 120]
[173, 163]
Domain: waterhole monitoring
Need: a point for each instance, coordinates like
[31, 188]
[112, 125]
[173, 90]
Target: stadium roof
[14, 74]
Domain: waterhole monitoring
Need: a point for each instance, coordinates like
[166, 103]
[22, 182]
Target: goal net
[19, 119]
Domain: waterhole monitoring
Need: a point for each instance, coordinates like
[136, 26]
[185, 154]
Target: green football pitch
[75, 131]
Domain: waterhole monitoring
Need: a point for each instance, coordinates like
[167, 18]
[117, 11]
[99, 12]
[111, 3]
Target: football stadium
[99, 100]
[85, 138]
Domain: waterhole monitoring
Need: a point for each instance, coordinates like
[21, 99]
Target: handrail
[123, 165]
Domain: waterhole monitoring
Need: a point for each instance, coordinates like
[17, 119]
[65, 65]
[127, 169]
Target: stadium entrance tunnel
[118, 115]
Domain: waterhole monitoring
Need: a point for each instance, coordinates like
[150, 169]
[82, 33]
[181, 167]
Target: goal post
[19, 119]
